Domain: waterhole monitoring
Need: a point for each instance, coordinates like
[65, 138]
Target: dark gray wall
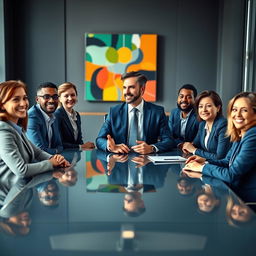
[199, 42]
[187, 42]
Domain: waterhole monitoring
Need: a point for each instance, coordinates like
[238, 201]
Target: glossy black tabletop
[91, 209]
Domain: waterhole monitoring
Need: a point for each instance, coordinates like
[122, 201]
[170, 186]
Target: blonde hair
[7, 90]
[64, 87]
[232, 131]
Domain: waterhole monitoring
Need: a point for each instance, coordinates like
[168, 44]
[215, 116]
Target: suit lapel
[27, 146]
[44, 127]
[124, 119]
[234, 153]
[67, 121]
[146, 119]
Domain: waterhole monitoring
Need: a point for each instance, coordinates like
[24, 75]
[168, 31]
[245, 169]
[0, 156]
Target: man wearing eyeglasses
[43, 129]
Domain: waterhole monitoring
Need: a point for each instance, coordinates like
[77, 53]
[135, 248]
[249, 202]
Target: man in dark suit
[153, 133]
[183, 122]
[43, 129]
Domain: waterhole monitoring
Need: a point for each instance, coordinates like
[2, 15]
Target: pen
[171, 158]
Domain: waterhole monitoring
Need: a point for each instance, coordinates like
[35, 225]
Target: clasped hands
[194, 166]
[59, 161]
[141, 148]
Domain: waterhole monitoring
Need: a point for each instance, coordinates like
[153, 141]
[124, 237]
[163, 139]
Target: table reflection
[69, 210]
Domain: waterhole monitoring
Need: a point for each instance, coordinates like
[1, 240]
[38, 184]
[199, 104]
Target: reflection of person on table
[207, 201]
[237, 212]
[16, 198]
[151, 132]
[185, 186]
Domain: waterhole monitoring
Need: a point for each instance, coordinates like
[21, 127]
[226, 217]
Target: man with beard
[43, 129]
[152, 133]
[182, 121]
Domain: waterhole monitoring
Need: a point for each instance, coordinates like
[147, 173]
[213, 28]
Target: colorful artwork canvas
[108, 56]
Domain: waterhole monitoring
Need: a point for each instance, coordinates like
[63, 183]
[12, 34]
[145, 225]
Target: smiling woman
[69, 120]
[17, 154]
[241, 129]
[211, 141]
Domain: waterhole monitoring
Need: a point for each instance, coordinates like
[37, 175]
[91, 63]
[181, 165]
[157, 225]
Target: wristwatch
[153, 149]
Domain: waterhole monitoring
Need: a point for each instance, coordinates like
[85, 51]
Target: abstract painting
[108, 56]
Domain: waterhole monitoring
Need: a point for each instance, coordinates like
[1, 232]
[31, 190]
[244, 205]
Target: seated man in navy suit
[153, 134]
[43, 129]
[183, 123]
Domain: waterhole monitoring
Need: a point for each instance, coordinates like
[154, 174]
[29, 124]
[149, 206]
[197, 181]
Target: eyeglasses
[48, 96]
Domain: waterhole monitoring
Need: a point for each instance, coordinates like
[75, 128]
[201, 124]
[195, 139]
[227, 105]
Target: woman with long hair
[242, 130]
[18, 156]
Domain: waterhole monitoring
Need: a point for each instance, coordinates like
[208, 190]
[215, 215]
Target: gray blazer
[18, 156]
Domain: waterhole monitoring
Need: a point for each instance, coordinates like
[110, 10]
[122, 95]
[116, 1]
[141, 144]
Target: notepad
[167, 159]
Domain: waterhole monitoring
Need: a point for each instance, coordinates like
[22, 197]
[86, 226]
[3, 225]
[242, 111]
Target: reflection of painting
[110, 55]
[95, 172]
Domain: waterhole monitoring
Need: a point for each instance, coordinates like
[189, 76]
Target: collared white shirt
[140, 119]
[73, 118]
[49, 120]
[183, 123]
[206, 138]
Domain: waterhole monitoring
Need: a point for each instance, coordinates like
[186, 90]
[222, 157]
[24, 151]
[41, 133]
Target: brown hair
[7, 90]
[234, 133]
[64, 87]
[215, 98]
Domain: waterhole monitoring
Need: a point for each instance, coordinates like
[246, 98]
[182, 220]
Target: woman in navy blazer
[211, 141]
[240, 159]
[69, 119]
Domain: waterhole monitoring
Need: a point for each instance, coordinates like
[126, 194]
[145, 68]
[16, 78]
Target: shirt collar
[187, 114]
[139, 107]
[72, 115]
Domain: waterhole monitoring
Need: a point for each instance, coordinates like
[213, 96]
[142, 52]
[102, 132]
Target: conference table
[90, 208]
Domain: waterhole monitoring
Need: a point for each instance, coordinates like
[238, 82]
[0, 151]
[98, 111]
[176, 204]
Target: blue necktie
[133, 136]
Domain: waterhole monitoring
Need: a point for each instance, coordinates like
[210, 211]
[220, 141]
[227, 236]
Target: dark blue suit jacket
[155, 128]
[218, 143]
[38, 134]
[239, 161]
[66, 129]
[191, 127]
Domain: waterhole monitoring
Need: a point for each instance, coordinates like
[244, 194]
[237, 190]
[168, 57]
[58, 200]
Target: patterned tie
[133, 128]
[134, 179]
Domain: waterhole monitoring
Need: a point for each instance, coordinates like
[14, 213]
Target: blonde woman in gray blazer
[18, 156]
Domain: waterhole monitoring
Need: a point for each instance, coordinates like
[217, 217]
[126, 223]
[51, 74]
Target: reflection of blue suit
[239, 160]
[191, 126]
[218, 143]
[155, 128]
[66, 129]
[152, 174]
[38, 134]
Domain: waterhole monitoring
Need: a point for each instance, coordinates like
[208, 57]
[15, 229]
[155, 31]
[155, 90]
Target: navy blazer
[191, 127]
[218, 143]
[155, 127]
[239, 161]
[66, 129]
[38, 134]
